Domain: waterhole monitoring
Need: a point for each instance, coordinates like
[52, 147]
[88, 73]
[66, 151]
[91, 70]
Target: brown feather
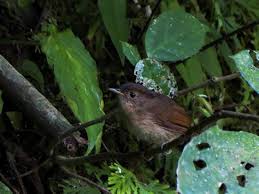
[151, 116]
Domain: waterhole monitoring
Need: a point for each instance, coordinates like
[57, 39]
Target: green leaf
[174, 36]
[30, 69]
[219, 157]
[123, 181]
[210, 63]
[245, 65]
[114, 17]
[225, 52]
[192, 73]
[155, 76]
[131, 52]
[76, 73]
[4, 189]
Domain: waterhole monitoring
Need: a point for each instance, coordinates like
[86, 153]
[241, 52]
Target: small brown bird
[150, 116]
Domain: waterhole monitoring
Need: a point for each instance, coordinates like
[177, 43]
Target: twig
[219, 40]
[84, 125]
[62, 160]
[88, 181]
[68, 133]
[77, 128]
[195, 130]
[198, 129]
[211, 81]
[148, 21]
[20, 42]
[227, 36]
[12, 164]
[35, 169]
[8, 184]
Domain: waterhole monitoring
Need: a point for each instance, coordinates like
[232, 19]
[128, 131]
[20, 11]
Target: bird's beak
[116, 91]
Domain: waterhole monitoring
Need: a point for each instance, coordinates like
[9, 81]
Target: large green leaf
[210, 63]
[114, 18]
[225, 52]
[220, 160]
[155, 76]
[4, 189]
[192, 73]
[131, 52]
[76, 73]
[245, 65]
[174, 36]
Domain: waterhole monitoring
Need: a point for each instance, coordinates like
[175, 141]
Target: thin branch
[12, 165]
[193, 131]
[19, 42]
[35, 169]
[8, 184]
[62, 160]
[225, 37]
[83, 126]
[208, 82]
[198, 129]
[148, 21]
[86, 180]
[77, 128]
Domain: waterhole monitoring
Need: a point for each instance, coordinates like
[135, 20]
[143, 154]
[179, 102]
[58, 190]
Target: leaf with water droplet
[155, 76]
[225, 161]
[245, 65]
[174, 36]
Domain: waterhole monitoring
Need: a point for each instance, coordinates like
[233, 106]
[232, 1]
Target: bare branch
[208, 82]
[31, 101]
[86, 180]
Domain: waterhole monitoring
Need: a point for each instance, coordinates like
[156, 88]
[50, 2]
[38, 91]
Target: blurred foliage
[85, 54]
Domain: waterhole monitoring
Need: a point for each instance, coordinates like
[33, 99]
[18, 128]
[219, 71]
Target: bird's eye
[132, 94]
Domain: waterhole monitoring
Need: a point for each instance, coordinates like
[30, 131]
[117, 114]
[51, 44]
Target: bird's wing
[176, 121]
